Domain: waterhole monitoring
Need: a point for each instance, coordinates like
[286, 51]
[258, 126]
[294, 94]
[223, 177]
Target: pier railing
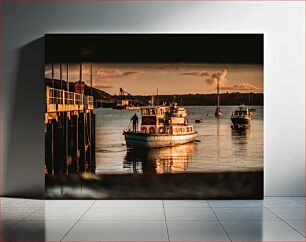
[62, 101]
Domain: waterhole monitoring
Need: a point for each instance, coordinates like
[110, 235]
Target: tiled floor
[274, 219]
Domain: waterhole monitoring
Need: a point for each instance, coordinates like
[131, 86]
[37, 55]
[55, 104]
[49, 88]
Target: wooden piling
[72, 145]
[93, 143]
[81, 142]
[48, 147]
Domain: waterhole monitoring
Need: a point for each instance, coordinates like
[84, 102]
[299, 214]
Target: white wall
[283, 25]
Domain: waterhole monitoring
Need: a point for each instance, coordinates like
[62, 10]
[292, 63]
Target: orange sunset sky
[169, 78]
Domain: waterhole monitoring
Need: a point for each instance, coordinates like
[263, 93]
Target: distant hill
[226, 99]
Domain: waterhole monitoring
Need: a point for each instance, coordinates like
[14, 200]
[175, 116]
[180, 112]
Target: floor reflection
[160, 160]
[274, 219]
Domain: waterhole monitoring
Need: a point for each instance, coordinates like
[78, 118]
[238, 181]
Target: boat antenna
[157, 97]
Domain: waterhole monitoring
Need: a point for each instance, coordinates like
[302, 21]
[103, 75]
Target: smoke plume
[217, 76]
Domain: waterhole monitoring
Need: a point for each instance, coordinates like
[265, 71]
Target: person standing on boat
[135, 122]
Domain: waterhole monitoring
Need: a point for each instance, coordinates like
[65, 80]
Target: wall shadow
[24, 169]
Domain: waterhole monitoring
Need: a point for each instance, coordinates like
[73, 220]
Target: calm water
[217, 146]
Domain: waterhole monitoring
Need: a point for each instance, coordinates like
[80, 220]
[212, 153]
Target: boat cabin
[242, 111]
[165, 120]
[153, 119]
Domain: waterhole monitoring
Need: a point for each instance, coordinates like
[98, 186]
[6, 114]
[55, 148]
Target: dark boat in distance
[197, 121]
[241, 117]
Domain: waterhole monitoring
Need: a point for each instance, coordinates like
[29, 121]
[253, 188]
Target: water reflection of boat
[241, 117]
[161, 126]
[240, 142]
[238, 133]
[160, 160]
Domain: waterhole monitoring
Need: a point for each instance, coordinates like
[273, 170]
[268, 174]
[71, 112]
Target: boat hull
[134, 140]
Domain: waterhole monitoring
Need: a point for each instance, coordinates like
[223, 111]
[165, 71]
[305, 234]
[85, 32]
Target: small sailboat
[241, 117]
[218, 112]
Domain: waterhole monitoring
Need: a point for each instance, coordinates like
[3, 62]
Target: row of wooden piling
[70, 143]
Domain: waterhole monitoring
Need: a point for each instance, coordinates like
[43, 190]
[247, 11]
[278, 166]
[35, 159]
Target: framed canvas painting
[154, 116]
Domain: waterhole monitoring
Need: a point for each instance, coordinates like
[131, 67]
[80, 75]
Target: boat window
[240, 112]
[161, 121]
[145, 111]
[148, 120]
[174, 130]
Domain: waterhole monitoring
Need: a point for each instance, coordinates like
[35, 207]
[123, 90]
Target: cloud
[132, 73]
[100, 73]
[209, 78]
[241, 87]
[196, 73]
[103, 86]
[116, 73]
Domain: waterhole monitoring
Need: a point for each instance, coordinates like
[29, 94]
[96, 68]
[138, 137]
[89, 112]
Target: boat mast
[80, 72]
[91, 78]
[52, 74]
[61, 76]
[218, 97]
[67, 77]
[249, 99]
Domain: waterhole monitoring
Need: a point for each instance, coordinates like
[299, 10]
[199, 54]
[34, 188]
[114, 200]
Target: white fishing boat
[241, 117]
[161, 126]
